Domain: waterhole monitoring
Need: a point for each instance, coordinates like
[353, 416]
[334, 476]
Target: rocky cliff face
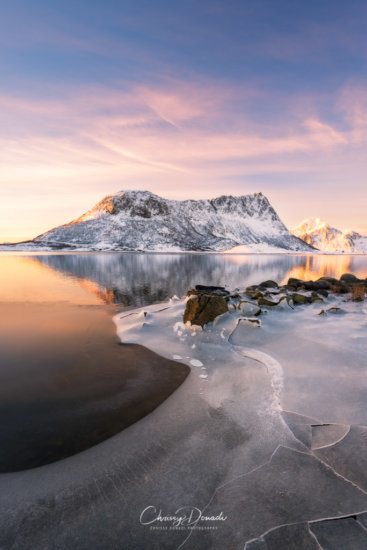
[321, 235]
[140, 220]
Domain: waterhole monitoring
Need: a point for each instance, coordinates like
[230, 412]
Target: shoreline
[30, 252]
[79, 389]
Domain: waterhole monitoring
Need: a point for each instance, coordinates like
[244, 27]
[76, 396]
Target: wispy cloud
[154, 124]
[168, 137]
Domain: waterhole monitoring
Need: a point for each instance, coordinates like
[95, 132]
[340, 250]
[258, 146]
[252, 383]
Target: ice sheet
[221, 443]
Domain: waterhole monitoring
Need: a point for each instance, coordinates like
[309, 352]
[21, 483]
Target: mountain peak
[310, 224]
[321, 235]
[140, 202]
[141, 220]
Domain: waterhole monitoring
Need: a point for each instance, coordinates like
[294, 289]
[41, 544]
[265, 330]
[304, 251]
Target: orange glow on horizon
[69, 153]
[321, 266]
[21, 277]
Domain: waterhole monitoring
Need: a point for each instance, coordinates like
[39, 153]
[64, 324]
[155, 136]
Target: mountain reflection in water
[141, 279]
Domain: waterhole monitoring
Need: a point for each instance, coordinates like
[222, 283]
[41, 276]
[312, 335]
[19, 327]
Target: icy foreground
[298, 404]
[268, 429]
[142, 221]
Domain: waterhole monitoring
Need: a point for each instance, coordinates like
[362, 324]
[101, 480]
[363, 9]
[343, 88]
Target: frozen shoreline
[15, 248]
[222, 443]
[322, 423]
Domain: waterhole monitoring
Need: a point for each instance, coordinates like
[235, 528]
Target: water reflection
[139, 279]
[65, 381]
[328, 266]
[24, 280]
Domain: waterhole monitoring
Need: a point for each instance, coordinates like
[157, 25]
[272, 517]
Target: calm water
[62, 373]
[66, 383]
[139, 279]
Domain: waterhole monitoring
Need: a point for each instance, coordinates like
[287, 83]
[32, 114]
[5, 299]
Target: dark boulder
[203, 309]
[317, 285]
[349, 278]
[294, 283]
[262, 301]
[300, 299]
[323, 292]
[212, 290]
[268, 284]
[330, 280]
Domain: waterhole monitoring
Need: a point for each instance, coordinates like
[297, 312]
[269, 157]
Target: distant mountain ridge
[321, 235]
[143, 221]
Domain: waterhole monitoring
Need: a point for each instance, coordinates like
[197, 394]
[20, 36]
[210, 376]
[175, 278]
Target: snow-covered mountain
[321, 235]
[140, 220]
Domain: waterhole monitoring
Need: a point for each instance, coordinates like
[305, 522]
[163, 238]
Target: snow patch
[196, 363]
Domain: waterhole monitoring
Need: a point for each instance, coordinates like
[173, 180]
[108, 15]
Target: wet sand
[66, 383]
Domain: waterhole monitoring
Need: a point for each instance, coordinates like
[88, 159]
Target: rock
[323, 292]
[192, 292]
[203, 309]
[268, 284]
[322, 312]
[317, 285]
[262, 301]
[330, 280]
[300, 298]
[340, 288]
[212, 290]
[254, 293]
[294, 283]
[317, 294]
[247, 308]
[358, 293]
[316, 299]
[349, 278]
[334, 309]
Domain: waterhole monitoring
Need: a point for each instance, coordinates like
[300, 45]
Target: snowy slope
[321, 235]
[142, 221]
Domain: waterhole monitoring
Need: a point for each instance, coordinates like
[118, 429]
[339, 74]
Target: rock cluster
[298, 292]
[208, 302]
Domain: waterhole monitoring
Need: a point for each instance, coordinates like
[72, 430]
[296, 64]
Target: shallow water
[66, 383]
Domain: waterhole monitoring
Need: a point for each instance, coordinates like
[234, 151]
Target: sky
[191, 99]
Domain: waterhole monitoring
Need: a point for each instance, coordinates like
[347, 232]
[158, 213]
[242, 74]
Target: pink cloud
[124, 127]
[180, 139]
